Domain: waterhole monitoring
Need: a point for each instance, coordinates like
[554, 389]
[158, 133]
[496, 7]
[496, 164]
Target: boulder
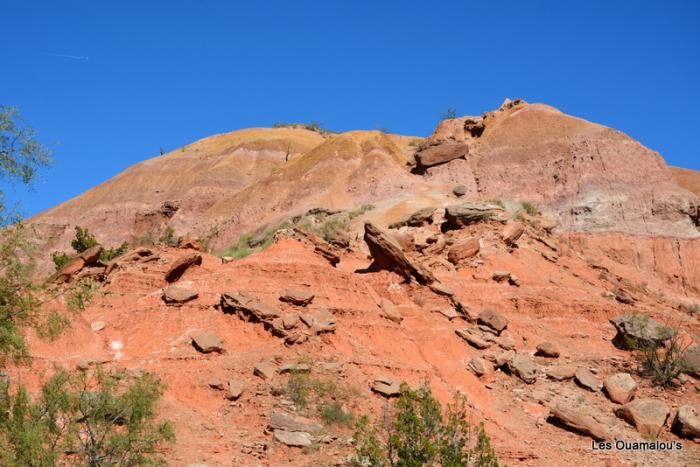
[71, 268]
[182, 264]
[295, 368]
[474, 126]
[440, 153]
[285, 421]
[524, 368]
[588, 380]
[548, 349]
[441, 289]
[639, 330]
[479, 367]
[387, 387]
[561, 372]
[575, 419]
[460, 190]
[493, 319]
[175, 295]
[265, 370]
[323, 321]
[512, 233]
[235, 389]
[417, 219]
[387, 254]
[472, 338]
[620, 387]
[97, 326]
[503, 358]
[188, 242]
[91, 256]
[692, 360]
[687, 421]
[461, 215]
[248, 307]
[340, 239]
[207, 343]
[297, 297]
[298, 439]
[290, 321]
[463, 250]
[647, 415]
[216, 383]
[503, 276]
[389, 311]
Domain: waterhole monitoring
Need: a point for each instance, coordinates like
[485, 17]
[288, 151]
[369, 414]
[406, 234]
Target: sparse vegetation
[311, 126]
[320, 397]
[168, 237]
[108, 254]
[210, 237]
[692, 308]
[414, 143]
[660, 363]
[81, 293]
[87, 418]
[414, 432]
[497, 202]
[323, 225]
[530, 208]
[450, 113]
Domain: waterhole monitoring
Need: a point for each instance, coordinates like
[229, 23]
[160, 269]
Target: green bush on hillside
[414, 432]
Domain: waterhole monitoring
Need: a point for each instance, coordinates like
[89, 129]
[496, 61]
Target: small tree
[415, 433]
[83, 240]
[94, 418]
[661, 359]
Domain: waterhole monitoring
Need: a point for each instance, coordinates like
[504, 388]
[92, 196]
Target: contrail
[74, 57]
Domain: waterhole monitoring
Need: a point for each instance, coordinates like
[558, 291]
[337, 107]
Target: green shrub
[530, 208]
[415, 142]
[168, 237]
[333, 414]
[60, 259]
[660, 363]
[108, 254]
[83, 240]
[414, 432]
[84, 418]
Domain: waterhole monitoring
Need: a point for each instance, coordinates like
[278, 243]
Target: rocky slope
[467, 289]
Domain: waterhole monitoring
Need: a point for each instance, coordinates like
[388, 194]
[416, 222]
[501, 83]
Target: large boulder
[440, 153]
[387, 254]
[92, 255]
[463, 250]
[387, 386]
[687, 421]
[248, 307]
[639, 330]
[285, 421]
[647, 415]
[461, 215]
[577, 420]
[297, 439]
[182, 264]
[512, 233]
[620, 387]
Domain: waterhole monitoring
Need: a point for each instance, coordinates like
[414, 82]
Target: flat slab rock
[441, 153]
[576, 420]
[265, 370]
[175, 295]
[647, 415]
[207, 343]
[548, 349]
[473, 339]
[585, 378]
[524, 368]
[298, 439]
[288, 422]
[561, 372]
[388, 387]
[297, 297]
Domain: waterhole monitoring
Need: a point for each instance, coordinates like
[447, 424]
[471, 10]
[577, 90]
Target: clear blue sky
[165, 73]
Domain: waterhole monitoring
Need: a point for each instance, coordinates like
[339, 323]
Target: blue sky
[166, 73]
